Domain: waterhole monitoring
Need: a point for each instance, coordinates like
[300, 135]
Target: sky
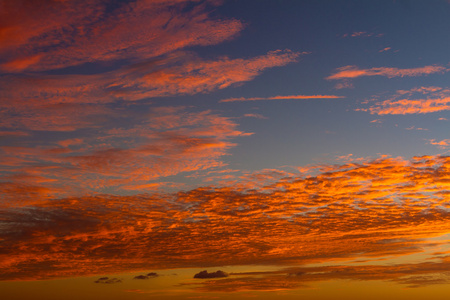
[224, 149]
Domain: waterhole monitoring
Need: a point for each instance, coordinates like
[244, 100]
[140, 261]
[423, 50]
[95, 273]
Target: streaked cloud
[407, 102]
[53, 103]
[412, 275]
[146, 146]
[293, 97]
[355, 72]
[362, 34]
[99, 31]
[385, 49]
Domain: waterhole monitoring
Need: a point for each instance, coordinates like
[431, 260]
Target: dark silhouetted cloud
[204, 274]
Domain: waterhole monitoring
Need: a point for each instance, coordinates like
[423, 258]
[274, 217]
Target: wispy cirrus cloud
[289, 97]
[99, 31]
[376, 209]
[54, 102]
[161, 142]
[362, 34]
[349, 72]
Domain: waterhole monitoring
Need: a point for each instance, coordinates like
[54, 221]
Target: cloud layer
[382, 208]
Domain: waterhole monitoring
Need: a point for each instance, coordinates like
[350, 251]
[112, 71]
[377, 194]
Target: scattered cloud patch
[107, 280]
[362, 34]
[257, 116]
[415, 128]
[407, 102]
[443, 144]
[385, 49]
[147, 276]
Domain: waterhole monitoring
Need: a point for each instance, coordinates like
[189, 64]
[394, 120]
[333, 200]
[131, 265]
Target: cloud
[257, 116]
[72, 102]
[407, 102]
[412, 275]
[443, 144]
[13, 133]
[107, 280]
[354, 72]
[148, 276]
[385, 49]
[344, 84]
[232, 285]
[149, 145]
[282, 98]
[98, 31]
[415, 128]
[204, 274]
[359, 34]
[387, 207]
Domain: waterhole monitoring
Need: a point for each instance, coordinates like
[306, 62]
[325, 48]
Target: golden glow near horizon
[203, 149]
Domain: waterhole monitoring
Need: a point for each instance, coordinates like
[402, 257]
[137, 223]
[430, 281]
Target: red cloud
[76, 33]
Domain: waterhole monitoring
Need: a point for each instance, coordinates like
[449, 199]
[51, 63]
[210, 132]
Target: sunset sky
[272, 149]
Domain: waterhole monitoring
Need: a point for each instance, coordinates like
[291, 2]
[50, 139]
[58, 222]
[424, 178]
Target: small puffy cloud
[204, 274]
[107, 280]
[148, 276]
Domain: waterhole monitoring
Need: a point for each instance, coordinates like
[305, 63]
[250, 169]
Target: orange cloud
[54, 102]
[354, 72]
[441, 144]
[283, 98]
[376, 209]
[438, 99]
